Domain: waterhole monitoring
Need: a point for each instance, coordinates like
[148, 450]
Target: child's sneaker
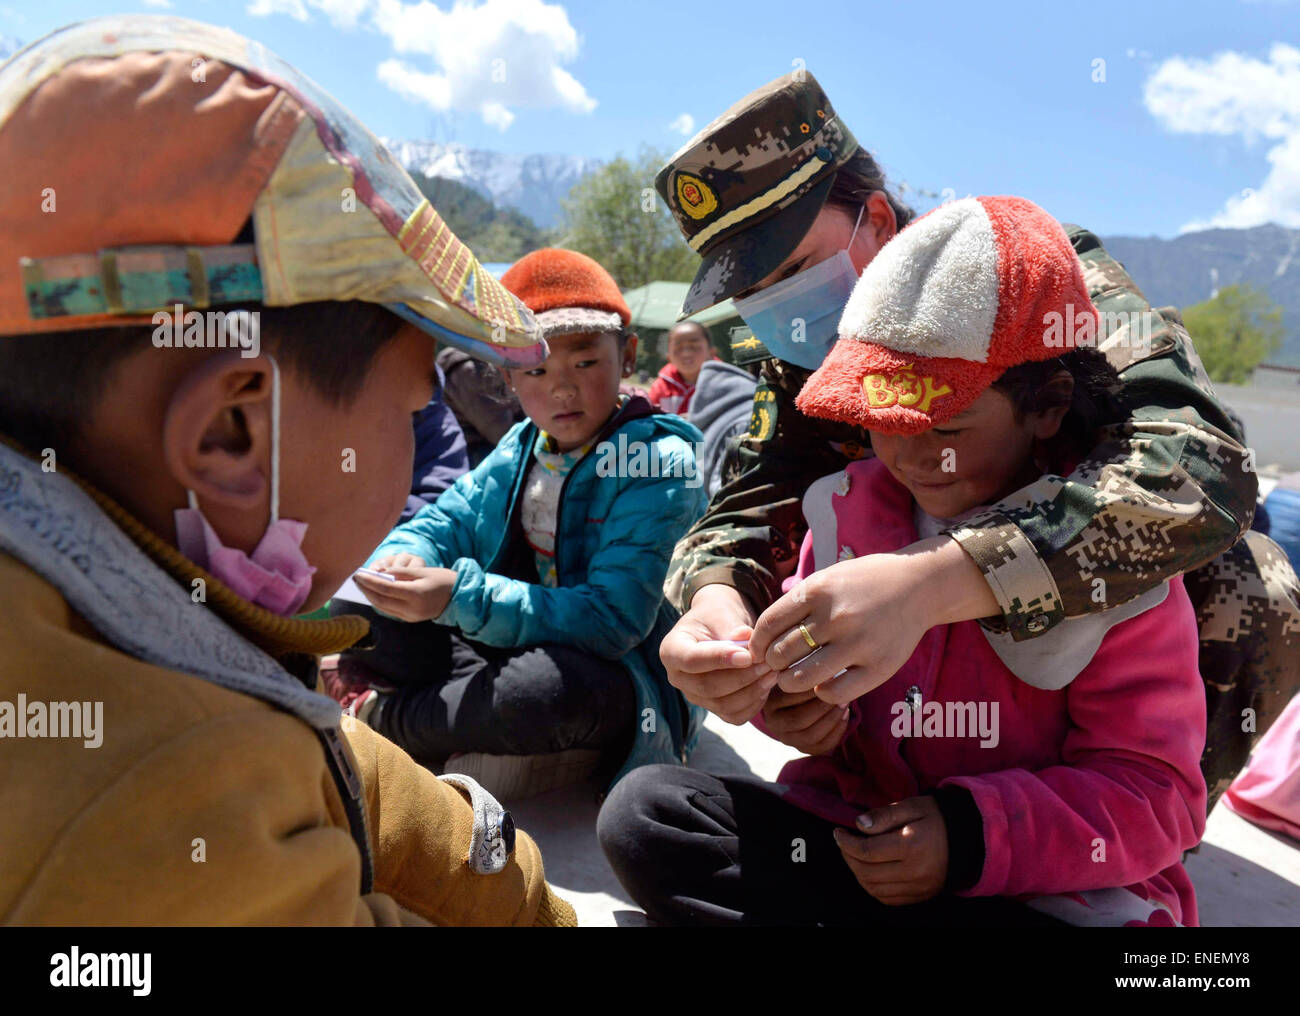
[518, 776]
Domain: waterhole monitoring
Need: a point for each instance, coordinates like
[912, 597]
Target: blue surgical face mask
[798, 318]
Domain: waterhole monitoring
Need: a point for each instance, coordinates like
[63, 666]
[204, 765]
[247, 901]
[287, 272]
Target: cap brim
[577, 320]
[748, 257]
[515, 357]
[909, 394]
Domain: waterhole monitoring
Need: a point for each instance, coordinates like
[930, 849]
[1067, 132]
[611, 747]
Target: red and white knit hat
[568, 292]
[949, 304]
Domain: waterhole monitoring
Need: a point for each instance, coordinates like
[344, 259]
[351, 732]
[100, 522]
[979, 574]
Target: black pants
[452, 694]
[692, 848]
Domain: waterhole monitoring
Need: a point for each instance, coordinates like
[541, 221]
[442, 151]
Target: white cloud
[296, 9]
[162, 5]
[341, 13]
[1233, 94]
[684, 125]
[489, 58]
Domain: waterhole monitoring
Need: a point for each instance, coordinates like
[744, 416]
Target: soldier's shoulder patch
[762, 418]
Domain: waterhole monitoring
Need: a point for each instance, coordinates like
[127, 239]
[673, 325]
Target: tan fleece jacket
[206, 806]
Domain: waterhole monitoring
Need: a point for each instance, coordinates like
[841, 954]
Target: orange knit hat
[568, 292]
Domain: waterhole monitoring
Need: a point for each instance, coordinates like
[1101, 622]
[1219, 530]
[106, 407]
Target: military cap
[746, 189]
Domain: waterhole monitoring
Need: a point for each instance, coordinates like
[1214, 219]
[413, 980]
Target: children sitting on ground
[543, 570]
[689, 349]
[166, 505]
[1063, 772]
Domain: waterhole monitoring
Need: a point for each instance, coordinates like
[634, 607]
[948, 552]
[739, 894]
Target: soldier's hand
[722, 678]
[805, 722]
[866, 616]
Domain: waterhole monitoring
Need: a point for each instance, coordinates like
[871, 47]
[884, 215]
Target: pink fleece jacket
[1093, 787]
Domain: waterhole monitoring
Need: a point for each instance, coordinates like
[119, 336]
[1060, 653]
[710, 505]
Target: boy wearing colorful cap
[543, 569]
[1063, 772]
[218, 304]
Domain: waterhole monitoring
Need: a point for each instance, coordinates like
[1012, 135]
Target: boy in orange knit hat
[543, 570]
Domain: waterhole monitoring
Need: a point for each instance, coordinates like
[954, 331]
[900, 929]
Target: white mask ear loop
[275, 446]
[854, 234]
[275, 440]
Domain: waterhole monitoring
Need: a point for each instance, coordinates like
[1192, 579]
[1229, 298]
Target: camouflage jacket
[1160, 494]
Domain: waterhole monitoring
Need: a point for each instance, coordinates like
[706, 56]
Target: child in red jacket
[688, 350]
[987, 781]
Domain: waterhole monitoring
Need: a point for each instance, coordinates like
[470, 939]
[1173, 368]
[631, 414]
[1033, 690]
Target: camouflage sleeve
[1162, 493]
[749, 537]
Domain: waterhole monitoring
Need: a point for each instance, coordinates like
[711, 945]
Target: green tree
[1234, 332]
[615, 216]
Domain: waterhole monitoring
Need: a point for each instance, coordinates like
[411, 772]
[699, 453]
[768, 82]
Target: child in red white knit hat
[987, 782]
[1075, 775]
[543, 569]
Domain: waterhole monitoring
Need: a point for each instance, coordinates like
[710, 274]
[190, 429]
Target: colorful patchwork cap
[136, 149]
[946, 307]
[774, 151]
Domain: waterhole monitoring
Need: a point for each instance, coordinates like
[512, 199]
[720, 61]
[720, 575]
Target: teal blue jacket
[622, 509]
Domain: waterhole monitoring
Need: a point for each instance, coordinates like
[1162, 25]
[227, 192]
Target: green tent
[655, 308]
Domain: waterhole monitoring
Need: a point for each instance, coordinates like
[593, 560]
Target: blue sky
[1196, 122]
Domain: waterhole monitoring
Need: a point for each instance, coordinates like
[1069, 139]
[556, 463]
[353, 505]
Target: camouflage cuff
[748, 586]
[1017, 575]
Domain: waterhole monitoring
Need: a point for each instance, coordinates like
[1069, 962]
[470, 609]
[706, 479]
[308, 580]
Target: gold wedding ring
[807, 636]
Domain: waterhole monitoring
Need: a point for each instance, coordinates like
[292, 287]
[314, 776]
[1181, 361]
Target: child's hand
[419, 594]
[397, 561]
[903, 856]
[805, 722]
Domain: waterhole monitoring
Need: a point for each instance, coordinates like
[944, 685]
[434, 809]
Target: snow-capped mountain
[534, 184]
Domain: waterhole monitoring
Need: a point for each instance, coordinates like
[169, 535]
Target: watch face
[508, 832]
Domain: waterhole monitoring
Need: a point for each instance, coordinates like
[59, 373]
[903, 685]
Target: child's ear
[629, 354]
[1055, 396]
[217, 431]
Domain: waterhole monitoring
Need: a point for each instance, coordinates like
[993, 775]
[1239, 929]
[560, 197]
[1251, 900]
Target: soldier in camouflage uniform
[1171, 490]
